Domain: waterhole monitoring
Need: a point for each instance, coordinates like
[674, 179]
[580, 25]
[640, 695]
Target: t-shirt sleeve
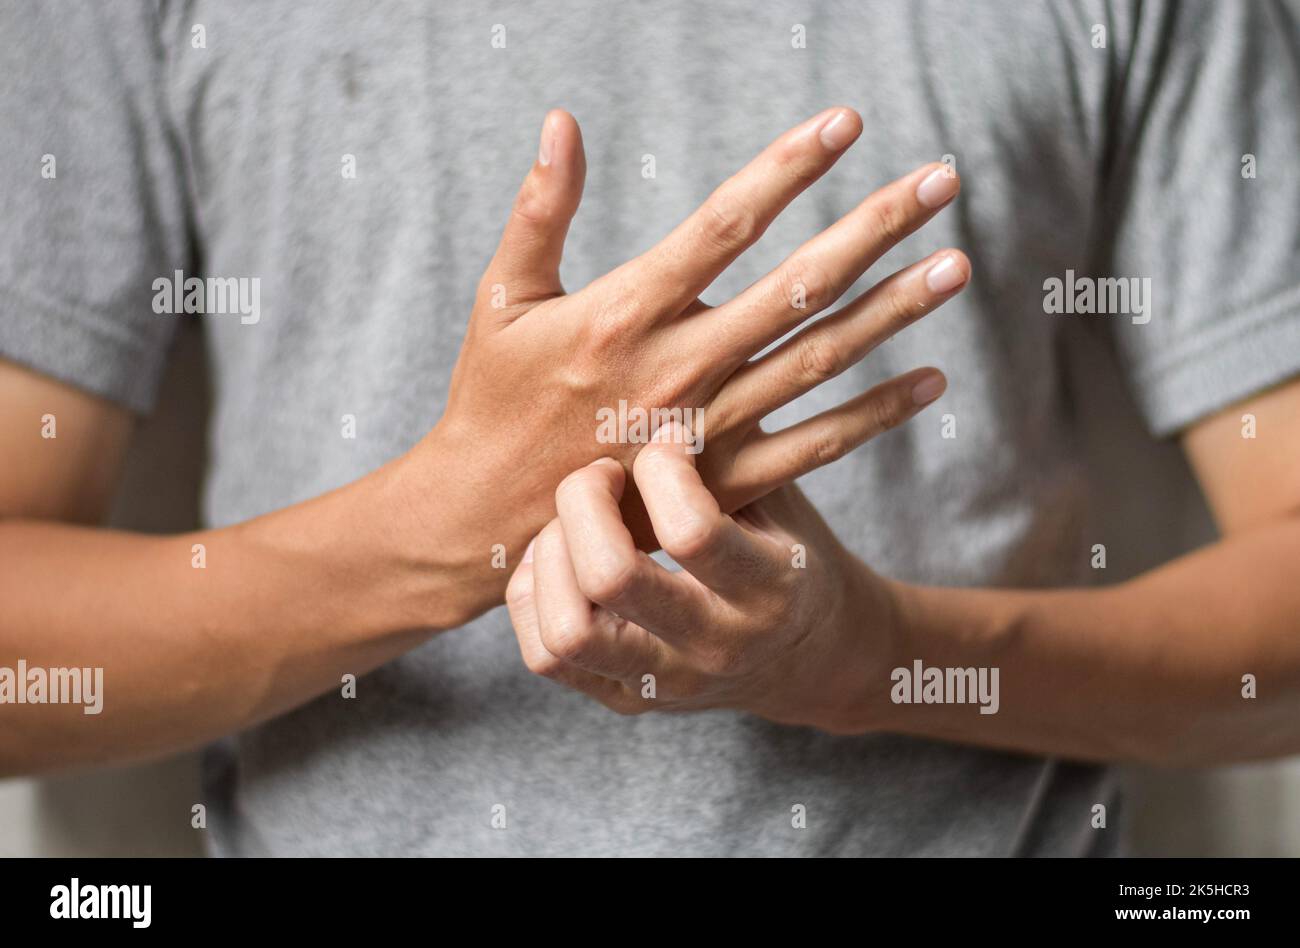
[92, 195]
[1203, 199]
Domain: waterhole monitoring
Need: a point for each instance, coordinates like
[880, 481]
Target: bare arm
[1151, 669]
[279, 610]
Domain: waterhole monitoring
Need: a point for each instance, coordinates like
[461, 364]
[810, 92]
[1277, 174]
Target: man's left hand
[770, 613]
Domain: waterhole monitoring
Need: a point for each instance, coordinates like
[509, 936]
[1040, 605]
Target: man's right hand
[537, 363]
[283, 606]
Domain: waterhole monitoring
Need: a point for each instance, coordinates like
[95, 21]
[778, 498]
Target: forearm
[271, 613]
[1150, 670]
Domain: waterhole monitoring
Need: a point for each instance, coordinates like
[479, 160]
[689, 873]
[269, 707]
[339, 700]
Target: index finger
[610, 570]
[736, 214]
[687, 520]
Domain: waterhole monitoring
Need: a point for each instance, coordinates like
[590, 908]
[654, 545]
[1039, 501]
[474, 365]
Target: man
[379, 470]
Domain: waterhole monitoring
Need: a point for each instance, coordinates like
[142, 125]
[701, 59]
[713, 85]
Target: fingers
[686, 261]
[594, 640]
[609, 569]
[779, 458]
[833, 344]
[687, 521]
[526, 266]
[521, 602]
[819, 272]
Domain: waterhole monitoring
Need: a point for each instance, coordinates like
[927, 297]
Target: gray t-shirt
[1154, 141]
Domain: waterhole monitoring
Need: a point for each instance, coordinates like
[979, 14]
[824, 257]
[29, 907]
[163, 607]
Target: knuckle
[610, 318]
[794, 164]
[810, 285]
[889, 220]
[608, 581]
[817, 359]
[690, 539]
[578, 379]
[613, 305]
[827, 446]
[519, 591]
[531, 204]
[728, 224]
[900, 308]
[544, 665]
[566, 641]
[888, 412]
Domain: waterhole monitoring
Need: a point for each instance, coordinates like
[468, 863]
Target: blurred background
[1149, 511]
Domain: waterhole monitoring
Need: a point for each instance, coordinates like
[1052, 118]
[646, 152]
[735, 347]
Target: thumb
[526, 266]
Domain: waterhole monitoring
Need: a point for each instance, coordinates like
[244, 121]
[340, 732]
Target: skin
[1148, 670]
[290, 602]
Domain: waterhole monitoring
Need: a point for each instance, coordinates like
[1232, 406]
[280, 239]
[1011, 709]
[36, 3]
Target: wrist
[872, 642]
[897, 646]
[455, 534]
[957, 633]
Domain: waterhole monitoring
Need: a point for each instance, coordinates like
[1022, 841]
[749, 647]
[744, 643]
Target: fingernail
[928, 389]
[528, 553]
[838, 132]
[544, 148]
[945, 276]
[937, 189]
